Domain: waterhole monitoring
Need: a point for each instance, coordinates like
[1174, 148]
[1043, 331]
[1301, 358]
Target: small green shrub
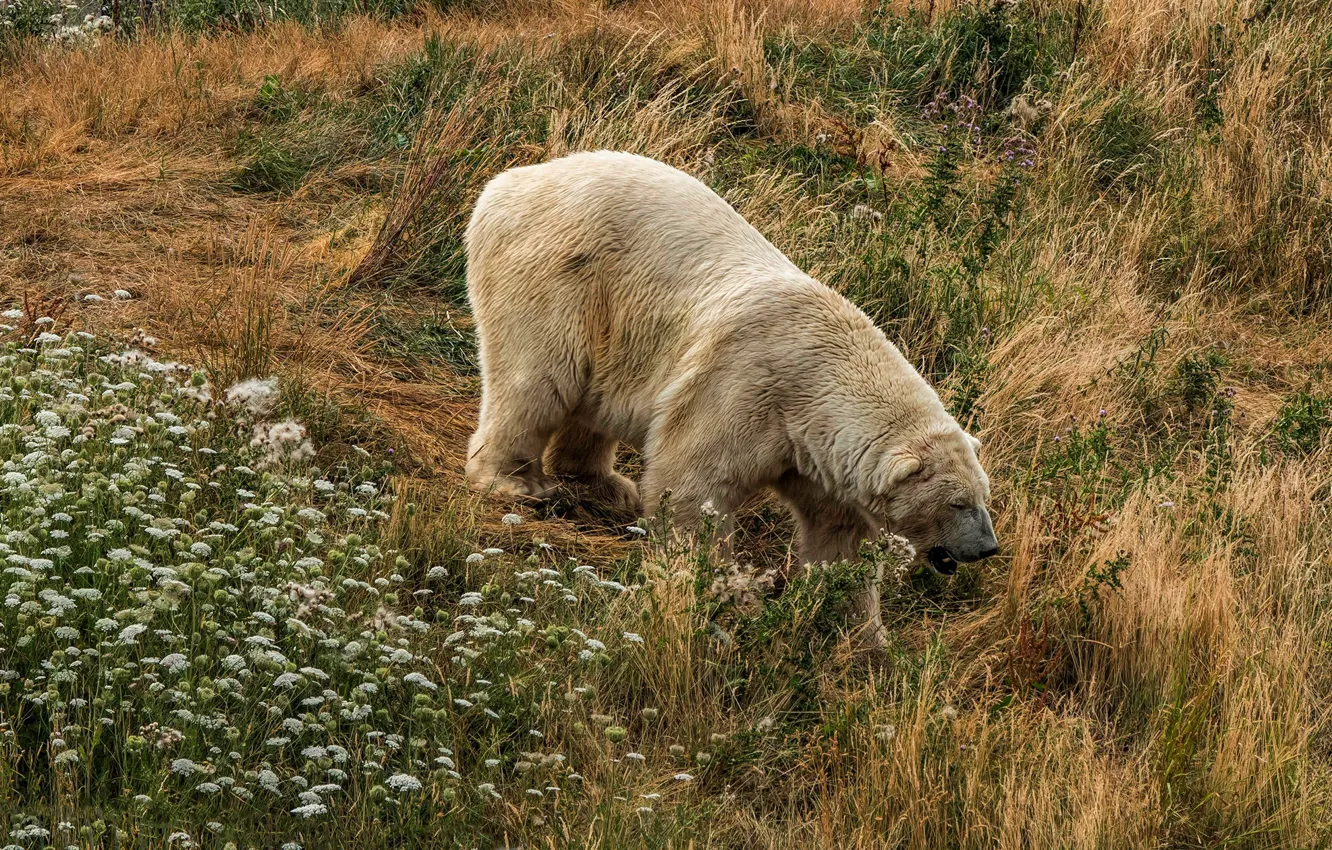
[1100, 577]
[276, 102]
[1197, 380]
[1301, 424]
[919, 274]
[1208, 86]
[29, 18]
[781, 640]
[1207, 408]
[1080, 452]
[272, 165]
[992, 51]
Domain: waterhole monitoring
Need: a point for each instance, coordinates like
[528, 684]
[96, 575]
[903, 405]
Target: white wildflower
[310, 810]
[286, 680]
[282, 442]
[174, 663]
[185, 767]
[258, 396]
[420, 681]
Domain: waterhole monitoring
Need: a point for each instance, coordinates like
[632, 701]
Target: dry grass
[1029, 708]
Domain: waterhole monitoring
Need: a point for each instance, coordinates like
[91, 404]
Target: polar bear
[619, 299]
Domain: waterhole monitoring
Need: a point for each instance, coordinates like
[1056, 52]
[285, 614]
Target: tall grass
[1101, 229]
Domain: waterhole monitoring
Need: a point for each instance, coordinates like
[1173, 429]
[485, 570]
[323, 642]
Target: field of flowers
[204, 638]
[250, 602]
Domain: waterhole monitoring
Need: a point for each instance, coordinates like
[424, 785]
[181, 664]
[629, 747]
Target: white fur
[618, 299]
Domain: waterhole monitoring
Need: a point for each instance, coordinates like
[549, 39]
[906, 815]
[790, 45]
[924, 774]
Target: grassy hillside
[242, 612]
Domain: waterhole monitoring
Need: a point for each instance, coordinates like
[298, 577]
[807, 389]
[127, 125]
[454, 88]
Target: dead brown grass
[1192, 704]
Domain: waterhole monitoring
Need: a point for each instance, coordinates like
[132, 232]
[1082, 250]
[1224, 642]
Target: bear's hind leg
[588, 457]
[504, 455]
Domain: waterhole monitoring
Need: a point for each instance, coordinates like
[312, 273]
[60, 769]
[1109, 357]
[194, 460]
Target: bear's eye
[958, 506]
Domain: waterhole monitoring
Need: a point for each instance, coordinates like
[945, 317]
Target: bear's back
[659, 232]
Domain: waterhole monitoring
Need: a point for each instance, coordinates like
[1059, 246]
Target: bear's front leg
[687, 481]
[828, 531]
[692, 503]
[694, 461]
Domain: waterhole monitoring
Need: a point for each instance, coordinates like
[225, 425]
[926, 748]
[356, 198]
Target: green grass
[436, 338]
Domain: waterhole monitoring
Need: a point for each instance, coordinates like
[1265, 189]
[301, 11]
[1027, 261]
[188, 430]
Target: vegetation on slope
[1102, 229]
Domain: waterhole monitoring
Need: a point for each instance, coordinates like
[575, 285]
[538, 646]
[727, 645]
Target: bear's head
[932, 490]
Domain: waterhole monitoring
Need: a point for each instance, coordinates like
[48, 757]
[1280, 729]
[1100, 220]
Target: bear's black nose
[989, 553]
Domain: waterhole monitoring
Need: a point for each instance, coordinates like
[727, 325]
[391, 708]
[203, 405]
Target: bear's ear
[975, 444]
[894, 468]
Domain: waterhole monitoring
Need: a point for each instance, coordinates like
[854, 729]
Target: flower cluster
[1019, 152]
[956, 118]
[740, 587]
[58, 20]
[251, 403]
[896, 555]
[90, 28]
[218, 633]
